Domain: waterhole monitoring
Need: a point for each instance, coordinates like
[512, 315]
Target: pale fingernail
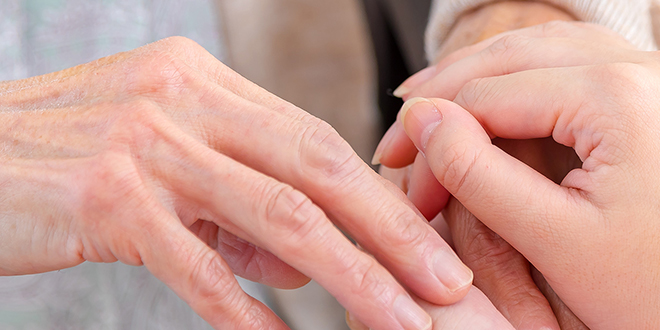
[414, 81]
[420, 117]
[410, 315]
[401, 91]
[384, 143]
[451, 271]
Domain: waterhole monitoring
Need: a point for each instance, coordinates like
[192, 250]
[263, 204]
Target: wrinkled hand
[593, 236]
[163, 156]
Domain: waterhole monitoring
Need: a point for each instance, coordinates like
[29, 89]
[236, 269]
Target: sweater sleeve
[630, 18]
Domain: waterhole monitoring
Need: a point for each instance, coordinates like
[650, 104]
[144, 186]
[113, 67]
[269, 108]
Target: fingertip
[420, 117]
[384, 144]
[395, 149]
[414, 81]
[401, 91]
[441, 277]
[453, 274]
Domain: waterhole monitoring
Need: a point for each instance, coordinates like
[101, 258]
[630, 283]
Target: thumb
[508, 196]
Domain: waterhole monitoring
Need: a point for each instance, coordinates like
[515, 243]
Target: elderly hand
[594, 235]
[163, 156]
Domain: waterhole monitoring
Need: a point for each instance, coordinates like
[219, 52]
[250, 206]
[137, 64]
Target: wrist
[494, 18]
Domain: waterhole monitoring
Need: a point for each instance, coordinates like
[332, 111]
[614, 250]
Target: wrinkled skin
[164, 157]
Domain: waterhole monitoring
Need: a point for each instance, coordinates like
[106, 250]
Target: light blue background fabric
[42, 36]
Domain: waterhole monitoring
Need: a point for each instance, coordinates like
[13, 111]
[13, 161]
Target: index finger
[555, 29]
[314, 159]
[529, 48]
[297, 149]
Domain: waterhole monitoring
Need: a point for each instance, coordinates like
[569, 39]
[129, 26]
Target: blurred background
[336, 59]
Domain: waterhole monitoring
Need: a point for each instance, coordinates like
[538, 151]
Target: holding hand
[593, 236]
[513, 286]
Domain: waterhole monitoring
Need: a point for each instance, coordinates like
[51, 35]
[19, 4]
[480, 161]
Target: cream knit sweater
[634, 19]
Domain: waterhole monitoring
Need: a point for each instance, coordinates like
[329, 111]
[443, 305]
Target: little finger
[199, 276]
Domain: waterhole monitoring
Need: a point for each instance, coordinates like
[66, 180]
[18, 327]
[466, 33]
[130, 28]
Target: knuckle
[507, 51]
[403, 232]
[474, 95]
[137, 122]
[130, 255]
[326, 156]
[210, 278]
[158, 73]
[138, 111]
[525, 300]
[243, 257]
[365, 282]
[290, 217]
[486, 250]
[457, 165]
[251, 317]
[178, 42]
[626, 84]
[213, 284]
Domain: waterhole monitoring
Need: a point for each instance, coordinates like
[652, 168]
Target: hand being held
[594, 235]
[165, 157]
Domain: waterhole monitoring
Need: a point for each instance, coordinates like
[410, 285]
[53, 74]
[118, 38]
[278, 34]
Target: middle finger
[313, 158]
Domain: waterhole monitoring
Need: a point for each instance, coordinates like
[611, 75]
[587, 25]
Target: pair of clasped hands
[541, 147]
[164, 157]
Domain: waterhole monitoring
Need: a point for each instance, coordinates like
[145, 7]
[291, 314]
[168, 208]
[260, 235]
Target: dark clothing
[397, 30]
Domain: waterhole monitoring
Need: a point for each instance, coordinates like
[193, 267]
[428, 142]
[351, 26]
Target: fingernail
[420, 117]
[384, 143]
[414, 81]
[410, 315]
[451, 271]
[401, 91]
